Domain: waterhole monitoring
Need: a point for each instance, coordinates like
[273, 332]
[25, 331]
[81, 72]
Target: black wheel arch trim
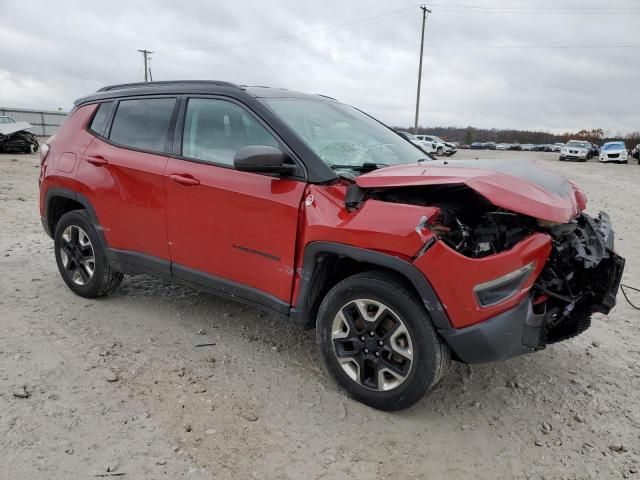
[78, 197]
[421, 284]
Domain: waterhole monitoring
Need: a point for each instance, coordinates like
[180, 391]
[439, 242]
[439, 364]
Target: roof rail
[167, 82]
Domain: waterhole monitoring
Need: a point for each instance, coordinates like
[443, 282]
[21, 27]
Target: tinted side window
[100, 118]
[214, 130]
[142, 124]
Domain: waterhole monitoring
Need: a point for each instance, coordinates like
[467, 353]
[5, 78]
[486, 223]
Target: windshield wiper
[365, 167]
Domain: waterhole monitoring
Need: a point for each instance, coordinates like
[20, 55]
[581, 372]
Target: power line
[400, 13]
[432, 47]
[501, 9]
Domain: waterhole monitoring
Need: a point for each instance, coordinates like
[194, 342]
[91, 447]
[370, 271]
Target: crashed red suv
[315, 211]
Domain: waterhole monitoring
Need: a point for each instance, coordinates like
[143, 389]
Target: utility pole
[424, 19]
[145, 55]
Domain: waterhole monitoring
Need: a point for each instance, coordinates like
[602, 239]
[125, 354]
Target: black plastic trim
[81, 199]
[411, 273]
[509, 334]
[230, 289]
[136, 263]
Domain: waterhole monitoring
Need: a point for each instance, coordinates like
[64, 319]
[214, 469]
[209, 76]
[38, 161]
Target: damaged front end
[511, 283]
[582, 276]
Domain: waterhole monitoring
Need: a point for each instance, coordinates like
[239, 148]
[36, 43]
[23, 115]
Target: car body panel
[73, 138]
[249, 222]
[128, 194]
[454, 276]
[522, 187]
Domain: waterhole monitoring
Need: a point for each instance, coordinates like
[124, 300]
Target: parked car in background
[330, 221]
[615, 152]
[503, 146]
[595, 150]
[636, 153]
[412, 138]
[515, 146]
[490, 145]
[432, 145]
[576, 150]
[529, 147]
[544, 147]
[556, 147]
[440, 147]
[465, 146]
[477, 146]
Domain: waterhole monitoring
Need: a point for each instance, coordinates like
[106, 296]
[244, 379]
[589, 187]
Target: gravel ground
[117, 385]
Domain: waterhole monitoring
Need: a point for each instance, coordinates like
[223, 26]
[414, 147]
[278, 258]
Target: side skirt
[134, 263]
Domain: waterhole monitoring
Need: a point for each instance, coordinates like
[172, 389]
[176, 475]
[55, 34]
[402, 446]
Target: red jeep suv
[315, 211]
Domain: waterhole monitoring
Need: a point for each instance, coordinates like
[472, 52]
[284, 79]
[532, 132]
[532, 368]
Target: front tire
[440, 151]
[80, 257]
[377, 341]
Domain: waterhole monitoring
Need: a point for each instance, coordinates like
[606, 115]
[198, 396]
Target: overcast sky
[364, 53]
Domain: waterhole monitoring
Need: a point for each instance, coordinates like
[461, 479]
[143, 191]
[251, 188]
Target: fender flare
[405, 269]
[82, 200]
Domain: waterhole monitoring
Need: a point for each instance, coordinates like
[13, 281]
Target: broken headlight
[502, 288]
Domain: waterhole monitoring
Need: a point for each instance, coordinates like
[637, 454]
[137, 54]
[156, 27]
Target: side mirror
[262, 159]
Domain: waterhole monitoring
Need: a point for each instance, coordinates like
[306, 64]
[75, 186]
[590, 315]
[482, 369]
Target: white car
[576, 150]
[503, 146]
[438, 146]
[528, 147]
[614, 152]
[556, 147]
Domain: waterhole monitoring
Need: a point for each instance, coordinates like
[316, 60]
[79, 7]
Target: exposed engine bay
[582, 273]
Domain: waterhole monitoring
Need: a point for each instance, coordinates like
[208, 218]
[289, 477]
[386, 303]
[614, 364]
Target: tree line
[468, 135]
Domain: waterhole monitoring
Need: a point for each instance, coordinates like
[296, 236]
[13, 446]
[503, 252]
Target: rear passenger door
[122, 174]
[231, 230]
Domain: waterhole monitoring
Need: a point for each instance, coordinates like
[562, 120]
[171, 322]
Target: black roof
[190, 87]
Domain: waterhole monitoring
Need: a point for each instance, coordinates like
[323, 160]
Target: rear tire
[377, 341]
[80, 256]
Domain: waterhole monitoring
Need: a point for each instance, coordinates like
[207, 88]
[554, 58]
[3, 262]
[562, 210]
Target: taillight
[44, 151]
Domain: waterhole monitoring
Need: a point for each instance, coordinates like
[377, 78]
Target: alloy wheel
[372, 345]
[77, 255]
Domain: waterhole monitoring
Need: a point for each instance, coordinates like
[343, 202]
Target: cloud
[363, 53]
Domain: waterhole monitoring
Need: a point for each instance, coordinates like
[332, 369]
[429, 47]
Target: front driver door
[230, 230]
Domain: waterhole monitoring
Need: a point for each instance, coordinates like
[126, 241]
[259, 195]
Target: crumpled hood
[520, 186]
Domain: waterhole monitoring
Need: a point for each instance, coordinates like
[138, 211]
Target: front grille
[613, 155]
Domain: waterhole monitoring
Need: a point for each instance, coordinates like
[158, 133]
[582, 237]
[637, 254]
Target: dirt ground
[118, 385]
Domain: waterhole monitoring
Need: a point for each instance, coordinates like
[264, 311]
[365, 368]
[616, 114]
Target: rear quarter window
[99, 122]
[142, 124]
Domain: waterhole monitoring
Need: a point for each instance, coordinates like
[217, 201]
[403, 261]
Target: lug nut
[371, 334]
[377, 354]
[366, 350]
[362, 338]
[381, 343]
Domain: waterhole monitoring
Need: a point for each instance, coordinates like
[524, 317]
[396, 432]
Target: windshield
[578, 144]
[613, 146]
[342, 135]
